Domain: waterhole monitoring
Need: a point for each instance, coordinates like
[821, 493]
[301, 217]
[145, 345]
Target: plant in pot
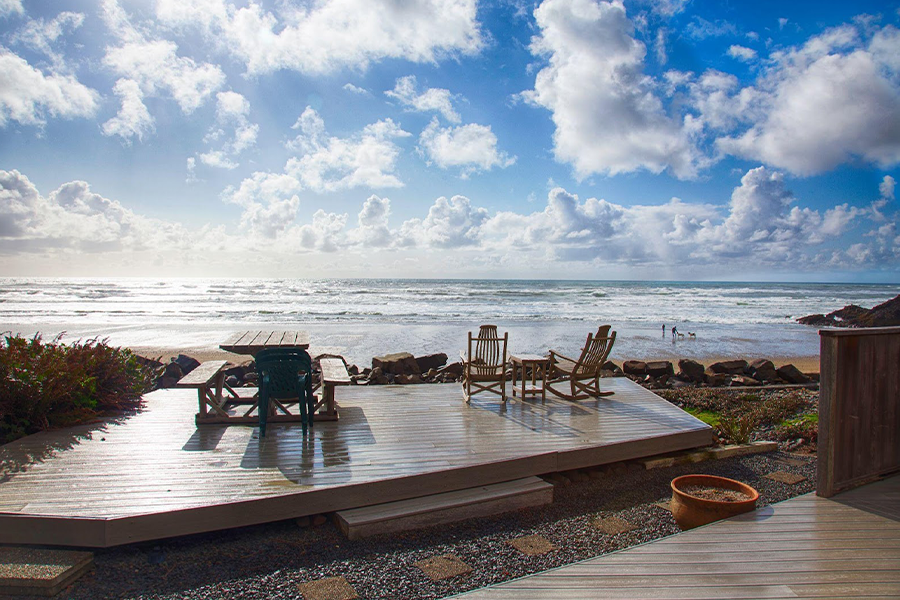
[701, 499]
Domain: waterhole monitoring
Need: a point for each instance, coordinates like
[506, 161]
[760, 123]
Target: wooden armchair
[484, 365]
[582, 375]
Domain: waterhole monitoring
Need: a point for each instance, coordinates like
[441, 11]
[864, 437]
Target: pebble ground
[271, 561]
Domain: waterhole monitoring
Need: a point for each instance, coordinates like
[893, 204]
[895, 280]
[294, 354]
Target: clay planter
[690, 511]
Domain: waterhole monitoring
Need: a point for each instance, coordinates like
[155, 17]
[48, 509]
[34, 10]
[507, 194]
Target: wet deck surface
[807, 547]
[157, 474]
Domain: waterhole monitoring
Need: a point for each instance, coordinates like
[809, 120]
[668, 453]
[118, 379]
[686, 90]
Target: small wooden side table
[539, 365]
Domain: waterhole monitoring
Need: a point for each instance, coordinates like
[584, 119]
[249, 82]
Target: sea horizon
[361, 318]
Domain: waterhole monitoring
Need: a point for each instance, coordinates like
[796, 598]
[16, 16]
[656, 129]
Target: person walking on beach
[674, 331]
[664, 330]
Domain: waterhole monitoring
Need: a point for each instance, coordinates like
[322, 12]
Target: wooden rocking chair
[582, 375]
[484, 366]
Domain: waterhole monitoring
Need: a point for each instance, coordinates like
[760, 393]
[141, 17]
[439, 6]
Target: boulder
[407, 379]
[763, 370]
[732, 367]
[886, 314]
[792, 374]
[718, 379]
[241, 370]
[818, 320]
[744, 381]
[174, 371]
[612, 367]
[251, 376]
[400, 363]
[634, 367]
[186, 363]
[660, 369]
[849, 313]
[432, 361]
[453, 369]
[691, 370]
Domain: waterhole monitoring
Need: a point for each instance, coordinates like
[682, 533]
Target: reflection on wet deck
[156, 474]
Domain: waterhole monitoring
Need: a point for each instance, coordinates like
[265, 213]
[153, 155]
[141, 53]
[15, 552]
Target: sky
[563, 139]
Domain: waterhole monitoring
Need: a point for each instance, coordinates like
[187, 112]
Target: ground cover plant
[47, 384]
[789, 416]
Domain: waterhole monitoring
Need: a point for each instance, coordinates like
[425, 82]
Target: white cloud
[42, 36]
[323, 233]
[155, 65]
[372, 224]
[29, 96]
[329, 36]
[886, 187]
[701, 29]
[450, 223]
[232, 110]
[133, 118]
[472, 147]
[432, 99]
[269, 202]
[829, 102]
[607, 116]
[742, 53]
[72, 218]
[368, 158]
[10, 7]
[668, 8]
[353, 89]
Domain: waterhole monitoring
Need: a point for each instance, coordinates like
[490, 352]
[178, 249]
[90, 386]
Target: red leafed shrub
[48, 384]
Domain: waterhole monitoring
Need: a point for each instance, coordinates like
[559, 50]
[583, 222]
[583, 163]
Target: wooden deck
[156, 474]
[807, 547]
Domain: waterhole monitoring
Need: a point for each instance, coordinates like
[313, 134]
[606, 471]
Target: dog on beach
[680, 336]
[692, 335]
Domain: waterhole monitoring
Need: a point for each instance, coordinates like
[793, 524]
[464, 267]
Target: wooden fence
[859, 407]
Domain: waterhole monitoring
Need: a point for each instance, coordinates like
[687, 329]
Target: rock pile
[886, 314]
[728, 373]
[404, 368]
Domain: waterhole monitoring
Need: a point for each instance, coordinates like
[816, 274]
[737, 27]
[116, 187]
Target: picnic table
[251, 342]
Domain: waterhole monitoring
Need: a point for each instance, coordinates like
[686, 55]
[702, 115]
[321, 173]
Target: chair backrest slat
[595, 352]
[487, 352]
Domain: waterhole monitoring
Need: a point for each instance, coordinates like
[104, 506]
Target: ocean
[361, 318]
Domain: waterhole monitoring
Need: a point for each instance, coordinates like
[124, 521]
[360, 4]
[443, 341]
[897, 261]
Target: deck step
[40, 572]
[444, 508]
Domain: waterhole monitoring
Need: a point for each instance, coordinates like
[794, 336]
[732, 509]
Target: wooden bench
[334, 373]
[209, 381]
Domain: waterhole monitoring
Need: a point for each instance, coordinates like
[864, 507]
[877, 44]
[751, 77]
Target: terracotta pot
[691, 511]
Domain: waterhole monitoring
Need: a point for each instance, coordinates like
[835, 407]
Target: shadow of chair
[484, 364]
[285, 377]
[581, 375]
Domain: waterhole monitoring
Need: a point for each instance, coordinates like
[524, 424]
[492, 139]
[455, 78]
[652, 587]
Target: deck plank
[392, 443]
[745, 557]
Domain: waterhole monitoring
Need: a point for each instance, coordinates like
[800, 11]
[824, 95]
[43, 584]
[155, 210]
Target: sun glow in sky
[653, 139]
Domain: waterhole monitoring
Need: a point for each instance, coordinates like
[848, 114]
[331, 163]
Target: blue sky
[655, 139]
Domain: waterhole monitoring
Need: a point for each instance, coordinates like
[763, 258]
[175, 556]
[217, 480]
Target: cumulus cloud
[133, 118]
[608, 117]
[452, 223]
[329, 163]
[471, 147]
[232, 130]
[831, 101]
[432, 99]
[269, 202]
[327, 36]
[353, 89]
[72, 218]
[154, 64]
[30, 96]
[42, 36]
[372, 229]
[742, 53]
[11, 7]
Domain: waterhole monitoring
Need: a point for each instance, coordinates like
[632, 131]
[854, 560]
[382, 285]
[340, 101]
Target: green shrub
[48, 384]
[738, 428]
[805, 426]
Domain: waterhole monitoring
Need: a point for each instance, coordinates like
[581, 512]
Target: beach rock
[732, 367]
[634, 367]
[241, 370]
[763, 370]
[818, 320]
[611, 366]
[691, 370]
[166, 382]
[186, 363]
[173, 371]
[850, 313]
[251, 376]
[744, 381]
[431, 361]
[400, 363]
[886, 314]
[660, 368]
[233, 381]
[718, 379]
[792, 374]
[454, 369]
[407, 379]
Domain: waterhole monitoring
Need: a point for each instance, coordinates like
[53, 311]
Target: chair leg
[263, 409]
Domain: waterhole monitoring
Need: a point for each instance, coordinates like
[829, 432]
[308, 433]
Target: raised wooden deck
[807, 547]
[156, 474]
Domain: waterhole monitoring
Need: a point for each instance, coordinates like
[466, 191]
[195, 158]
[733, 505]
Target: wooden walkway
[156, 474]
[807, 547]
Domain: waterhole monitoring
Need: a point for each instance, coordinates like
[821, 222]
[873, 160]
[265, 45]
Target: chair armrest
[554, 354]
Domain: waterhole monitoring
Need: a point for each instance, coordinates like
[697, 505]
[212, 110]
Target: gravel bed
[269, 561]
